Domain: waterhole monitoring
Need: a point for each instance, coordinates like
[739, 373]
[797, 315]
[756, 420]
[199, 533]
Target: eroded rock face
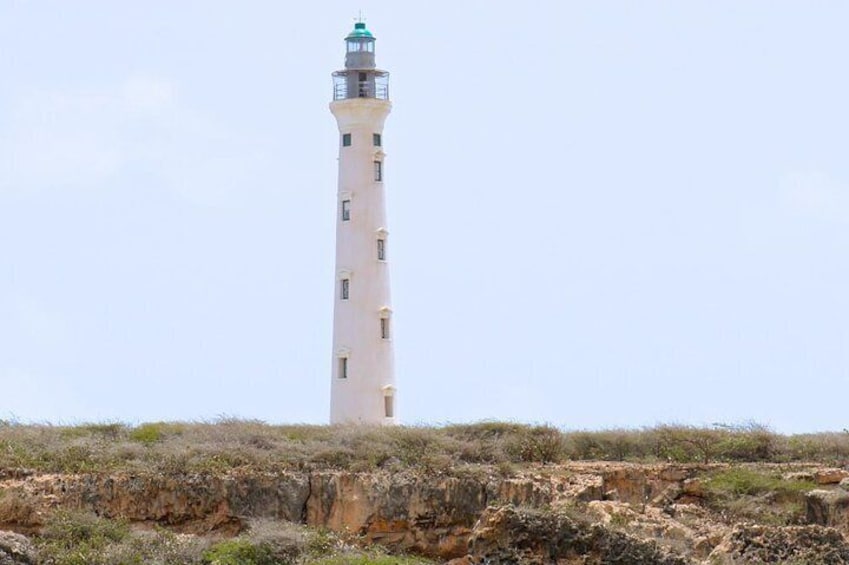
[828, 508]
[507, 535]
[791, 544]
[640, 484]
[431, 513]
[204, 502]
[15, 549]
[830, 476]
[405, 511]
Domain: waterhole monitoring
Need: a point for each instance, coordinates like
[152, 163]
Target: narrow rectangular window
[346, 210]
[378, 171]
[346, 140]
[343, 367]
[376, 139]
[381, 249]
[389, 406]
[384, 328]
[363, 86]
[345, 287]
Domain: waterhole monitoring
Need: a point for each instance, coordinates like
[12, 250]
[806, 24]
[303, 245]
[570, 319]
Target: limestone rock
[790, 544]
[531, 537]
[405, 511]
[844, 484]
[799, 476]
[830, 476]
[828, 508]
[694, 488]
[16, 549]
[642, 509]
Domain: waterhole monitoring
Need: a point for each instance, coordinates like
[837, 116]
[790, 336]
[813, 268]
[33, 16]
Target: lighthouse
[362, 386]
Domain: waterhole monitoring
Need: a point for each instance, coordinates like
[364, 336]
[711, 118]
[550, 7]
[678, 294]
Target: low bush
[759, 495]
[240, 552]
[538, 444]
[739, 481]
[72, 538]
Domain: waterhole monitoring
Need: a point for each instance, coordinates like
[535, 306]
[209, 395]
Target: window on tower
[363, 85]
[343, 368]
[376, 139]
[344, 288]
[384, 328]
[378, 171]
[346, 140]
[381, 249]
[346, 210]
[389, 406]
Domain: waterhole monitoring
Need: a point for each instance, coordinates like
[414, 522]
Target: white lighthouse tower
[363, 377]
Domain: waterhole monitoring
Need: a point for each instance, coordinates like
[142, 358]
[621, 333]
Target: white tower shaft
[363, 380]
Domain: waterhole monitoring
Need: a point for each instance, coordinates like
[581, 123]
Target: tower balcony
[360, 84]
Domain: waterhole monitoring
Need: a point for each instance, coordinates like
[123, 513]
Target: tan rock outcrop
[831, 476]
[507, 535]
[16, 549]
[789, 544]
[202, 501]
[434, 513]
[828, 508]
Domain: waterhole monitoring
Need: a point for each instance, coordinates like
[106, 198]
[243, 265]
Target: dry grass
[759, 495]
[75, 538]
[228, 443]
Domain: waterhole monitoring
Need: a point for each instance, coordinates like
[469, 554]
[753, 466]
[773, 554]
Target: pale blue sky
[603, 213]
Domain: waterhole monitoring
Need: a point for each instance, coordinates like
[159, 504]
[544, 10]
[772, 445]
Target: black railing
[374, 87]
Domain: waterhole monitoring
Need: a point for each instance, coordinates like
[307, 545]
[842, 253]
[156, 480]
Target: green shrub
[757, 495]
[107, 430]
[539, 444]
[148, 433]
[240, 552]
[74, 538]
[741, 481]
[747, 442]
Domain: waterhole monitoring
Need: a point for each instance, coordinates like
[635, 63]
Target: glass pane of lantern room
[352, 46]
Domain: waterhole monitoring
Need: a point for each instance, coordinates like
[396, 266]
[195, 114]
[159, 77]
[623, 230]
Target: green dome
[360, 32]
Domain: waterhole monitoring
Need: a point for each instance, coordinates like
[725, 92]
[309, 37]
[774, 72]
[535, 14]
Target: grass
[232, 444]
[79, 539]
[760, 495]
[74, 538]
[742, 481]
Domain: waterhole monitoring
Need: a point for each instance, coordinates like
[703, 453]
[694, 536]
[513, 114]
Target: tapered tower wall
[363, 379]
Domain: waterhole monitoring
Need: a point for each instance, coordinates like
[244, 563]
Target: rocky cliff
[577, 512]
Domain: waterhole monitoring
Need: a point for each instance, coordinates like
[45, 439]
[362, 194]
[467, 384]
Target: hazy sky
[602, 213]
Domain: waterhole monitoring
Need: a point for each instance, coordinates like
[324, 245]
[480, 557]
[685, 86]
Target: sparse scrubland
[245, 492]
[231, 443]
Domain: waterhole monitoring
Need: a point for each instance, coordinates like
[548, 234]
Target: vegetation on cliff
[231, 443]
[78, 538]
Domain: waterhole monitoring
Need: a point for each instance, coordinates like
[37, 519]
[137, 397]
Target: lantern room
[360, 79]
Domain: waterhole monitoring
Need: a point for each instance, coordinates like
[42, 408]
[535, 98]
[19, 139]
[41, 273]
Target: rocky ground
[587, 512]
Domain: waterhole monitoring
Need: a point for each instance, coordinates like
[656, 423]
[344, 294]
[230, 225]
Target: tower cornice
[360, 112]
